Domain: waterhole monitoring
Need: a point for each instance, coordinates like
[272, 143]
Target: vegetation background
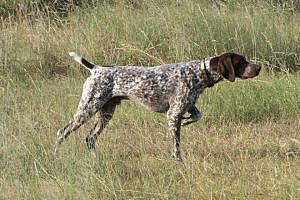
[246, 146]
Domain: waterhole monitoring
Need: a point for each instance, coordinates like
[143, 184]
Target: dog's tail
[78, 58]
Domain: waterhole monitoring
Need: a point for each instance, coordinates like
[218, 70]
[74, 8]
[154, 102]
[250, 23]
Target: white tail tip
[76, 56]
[72, 53]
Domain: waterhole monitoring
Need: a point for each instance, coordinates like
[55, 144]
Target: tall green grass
[260, 100]
[151, 34]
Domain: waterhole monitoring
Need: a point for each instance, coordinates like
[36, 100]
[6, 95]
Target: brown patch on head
[232, 65]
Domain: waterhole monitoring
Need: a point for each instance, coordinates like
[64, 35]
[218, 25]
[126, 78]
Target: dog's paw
[188, 121]
[177, 155]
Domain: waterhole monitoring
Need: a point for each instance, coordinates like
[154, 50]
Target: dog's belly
[153, 104]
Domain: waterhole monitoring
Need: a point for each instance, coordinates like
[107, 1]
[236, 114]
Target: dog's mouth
[251, 71]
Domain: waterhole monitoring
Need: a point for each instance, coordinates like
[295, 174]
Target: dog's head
[232, 65]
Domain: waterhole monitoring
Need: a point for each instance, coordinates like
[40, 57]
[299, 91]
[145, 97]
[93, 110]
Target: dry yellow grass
[224, 159]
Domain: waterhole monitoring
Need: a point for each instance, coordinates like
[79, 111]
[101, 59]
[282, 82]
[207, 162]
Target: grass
[151, 34]
[246, 146]
[231, 154]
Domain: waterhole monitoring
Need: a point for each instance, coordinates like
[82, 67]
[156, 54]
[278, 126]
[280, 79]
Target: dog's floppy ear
[225, 68]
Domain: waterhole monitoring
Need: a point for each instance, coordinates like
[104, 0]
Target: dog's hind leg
[74, 123]
[103, 116]
[79, 118]
[91, 102]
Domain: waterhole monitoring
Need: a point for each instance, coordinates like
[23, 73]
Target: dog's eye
[242, 61]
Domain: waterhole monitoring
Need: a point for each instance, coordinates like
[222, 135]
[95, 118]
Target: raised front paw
[187, 121]
[190, 119]
[195, 116]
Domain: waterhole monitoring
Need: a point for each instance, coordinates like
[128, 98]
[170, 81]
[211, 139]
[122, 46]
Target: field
[246, 146]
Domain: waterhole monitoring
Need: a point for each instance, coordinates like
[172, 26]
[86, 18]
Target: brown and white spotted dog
[171, 88]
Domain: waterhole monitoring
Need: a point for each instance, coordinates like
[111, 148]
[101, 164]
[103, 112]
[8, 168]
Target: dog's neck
[209, 75]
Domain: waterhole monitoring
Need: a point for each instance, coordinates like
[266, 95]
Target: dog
[169, 88]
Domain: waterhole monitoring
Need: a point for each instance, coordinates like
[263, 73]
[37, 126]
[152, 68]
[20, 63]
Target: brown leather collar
[206, 76]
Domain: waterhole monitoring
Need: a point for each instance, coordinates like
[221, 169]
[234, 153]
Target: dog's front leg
[174, 122]
[195, 116]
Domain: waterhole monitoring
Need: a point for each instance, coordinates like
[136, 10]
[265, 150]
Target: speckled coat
[154, 87]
